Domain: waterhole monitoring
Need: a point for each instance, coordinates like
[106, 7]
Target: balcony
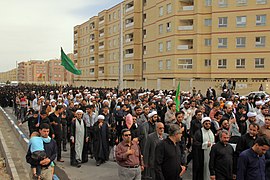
[101, 47]
[188, 8]
[129, 24]
[91, 50]
[101, 22]
[129, 55]
[129, 40]
[185, 28]
[101, 34]
[184, 47]
[128, 9]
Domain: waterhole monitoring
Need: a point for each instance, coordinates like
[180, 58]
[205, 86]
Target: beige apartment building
[10, 75]
[166, 41]
[44, 72]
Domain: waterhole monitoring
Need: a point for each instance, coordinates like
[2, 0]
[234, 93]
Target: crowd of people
[226, 136]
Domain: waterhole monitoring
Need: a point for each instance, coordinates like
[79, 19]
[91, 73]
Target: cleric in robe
[78, 141]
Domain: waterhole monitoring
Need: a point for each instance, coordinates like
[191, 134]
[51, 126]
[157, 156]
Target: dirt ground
[3, 172]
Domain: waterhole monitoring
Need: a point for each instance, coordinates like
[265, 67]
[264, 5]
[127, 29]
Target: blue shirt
[36, 144]
[250, 166]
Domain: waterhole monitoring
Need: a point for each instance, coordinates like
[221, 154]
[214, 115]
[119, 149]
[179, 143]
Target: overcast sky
[36, 29]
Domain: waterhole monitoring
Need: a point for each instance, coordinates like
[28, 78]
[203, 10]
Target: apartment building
[10, 75]
[49, 72]
[166, 40]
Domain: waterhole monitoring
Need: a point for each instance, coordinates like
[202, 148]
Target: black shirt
[167, 160]
[57, 128]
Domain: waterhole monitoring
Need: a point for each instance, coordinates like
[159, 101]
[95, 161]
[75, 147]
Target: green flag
[177, 98]
[68, 64]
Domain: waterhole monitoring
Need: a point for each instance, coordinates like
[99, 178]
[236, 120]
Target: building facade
[165, 41]
[10, 75]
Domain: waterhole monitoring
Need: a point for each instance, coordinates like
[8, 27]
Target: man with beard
[251, 119]
[147, 128]
[55, 119]
[251, 162]
[101, 141]
[260, 118]
[202, 143]
[221, 158]
[79, 139]
[168, 156]
[144, 116]
[149, 150]
[265, 130]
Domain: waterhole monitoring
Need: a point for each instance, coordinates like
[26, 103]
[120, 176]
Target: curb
[24, 142]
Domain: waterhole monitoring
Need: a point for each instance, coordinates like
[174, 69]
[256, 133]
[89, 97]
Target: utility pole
[120, 79]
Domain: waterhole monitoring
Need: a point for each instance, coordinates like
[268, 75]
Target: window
[241, 2]
[260, 20]
[240, 42]
[161, 11]
[160, 65]
[241, 21]
[169, 8]
[260, 41]
[168, 64]
[222, 21]
[259, 62]
[160, 27]
[207, 62]
[222, 63]
[240, 63]
[208, 2]
[184, 63]
[207, 42]
[222, 3]
[168, 45]
[261, 2]
[208, 22]
[169, 27]
[129, 68]
[160, 45]
[222, 42]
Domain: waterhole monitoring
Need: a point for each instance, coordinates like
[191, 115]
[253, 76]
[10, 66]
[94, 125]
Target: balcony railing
[184, 47]
[185, 28]
[100, 22]
[130, 9]
[101, 47]
[91, 50]
[129, 40]
[129, 55]
[129, 24]
[188, 8]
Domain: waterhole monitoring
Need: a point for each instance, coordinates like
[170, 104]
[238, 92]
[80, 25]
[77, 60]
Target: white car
[258, 93]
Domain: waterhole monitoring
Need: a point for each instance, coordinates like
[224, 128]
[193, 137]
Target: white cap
[251, 114]
[79, 111]
[76, 103]
[57, 91]
[243, 97]
[101, 117]
[105, 101]
[258, 103]
[52, 100]
[169, 100]
[205, 119]
[152, 114]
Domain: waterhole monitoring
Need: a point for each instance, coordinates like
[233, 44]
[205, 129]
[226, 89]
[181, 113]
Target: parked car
[257, 93]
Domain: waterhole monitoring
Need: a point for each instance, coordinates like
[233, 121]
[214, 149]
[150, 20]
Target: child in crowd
[38, 153]
[113, 139]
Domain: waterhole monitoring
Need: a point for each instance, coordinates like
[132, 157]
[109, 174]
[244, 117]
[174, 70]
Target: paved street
[89, 170]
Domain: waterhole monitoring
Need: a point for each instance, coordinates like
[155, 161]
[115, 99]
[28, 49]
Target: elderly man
[202, 143]
[79, 139]
[128, 157]
[149, 150]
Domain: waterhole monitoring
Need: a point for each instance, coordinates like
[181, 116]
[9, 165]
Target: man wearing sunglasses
[129, 159]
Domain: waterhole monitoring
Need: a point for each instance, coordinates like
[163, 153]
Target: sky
[36, 29]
